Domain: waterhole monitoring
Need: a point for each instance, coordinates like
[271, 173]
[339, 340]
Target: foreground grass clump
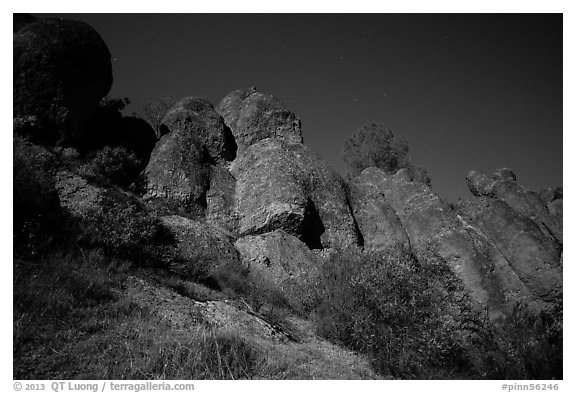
[413, 319]
[71, 320]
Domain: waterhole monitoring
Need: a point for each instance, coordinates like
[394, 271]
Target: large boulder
[201, 248]
[378, 223]
[62, 70]
[178, 171]
[215, 137]
[253, 116]
[432, 227]
[532, 255]
[195, 139]
[285, 186]
[502, 185]
[195, 142]
[34, 191]
[78, 196]
[278, 261]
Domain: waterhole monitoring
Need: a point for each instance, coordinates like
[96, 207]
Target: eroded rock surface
[215, 136]
[533, 256]
[502, 185]
[202, 249]
[253, 116]
[378, 223]
[286, 186]
[280, 260]
[433, 227]
[194, 141]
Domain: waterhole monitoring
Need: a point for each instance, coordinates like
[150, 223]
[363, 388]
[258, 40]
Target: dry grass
[71, 321]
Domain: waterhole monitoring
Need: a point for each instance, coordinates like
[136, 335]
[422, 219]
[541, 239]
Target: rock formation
[432, 227]
[181, 161]
[62, 70]
[253, 116]
[279, 260]
[34, 192]
[215, 137]
[285, 186]
[378, 223]
[533, 256]
[201, 249]
[503, 186]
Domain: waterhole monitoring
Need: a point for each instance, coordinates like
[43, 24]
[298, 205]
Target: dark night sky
[475, 91]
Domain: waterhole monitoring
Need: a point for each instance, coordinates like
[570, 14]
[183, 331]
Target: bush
[414, 320]
[373, 145]
[112, 165]
[405, 315]
[124, 229]
[154, 111]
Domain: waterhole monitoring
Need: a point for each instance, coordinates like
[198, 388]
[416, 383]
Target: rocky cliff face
[260, 198]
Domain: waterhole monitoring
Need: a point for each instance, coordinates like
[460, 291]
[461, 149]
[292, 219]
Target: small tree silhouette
[154, 111]
[376, 145]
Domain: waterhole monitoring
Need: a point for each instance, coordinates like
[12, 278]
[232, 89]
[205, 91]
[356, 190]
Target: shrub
[154, 111]
[125, 229]
[111, 165]
[414, 320]
[373, 145]
[407, 316]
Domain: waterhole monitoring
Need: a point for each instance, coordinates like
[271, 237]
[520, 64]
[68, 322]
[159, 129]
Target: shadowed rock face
[253, 116]
[220, 199]
[178, 170]
[109, 128]
[79, 197]
[35, 195]
[215, 136]
[433, 227]
[556, 208]
[284, 186]
[533, 256]
[279, 259]
[62, 70]
[180, 165]
[201, 248]
[503, 186]
[377, 221]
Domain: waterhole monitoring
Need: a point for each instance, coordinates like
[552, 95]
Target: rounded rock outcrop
[215, 136]
[62, 70]
[194, 141]
[253, 116]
